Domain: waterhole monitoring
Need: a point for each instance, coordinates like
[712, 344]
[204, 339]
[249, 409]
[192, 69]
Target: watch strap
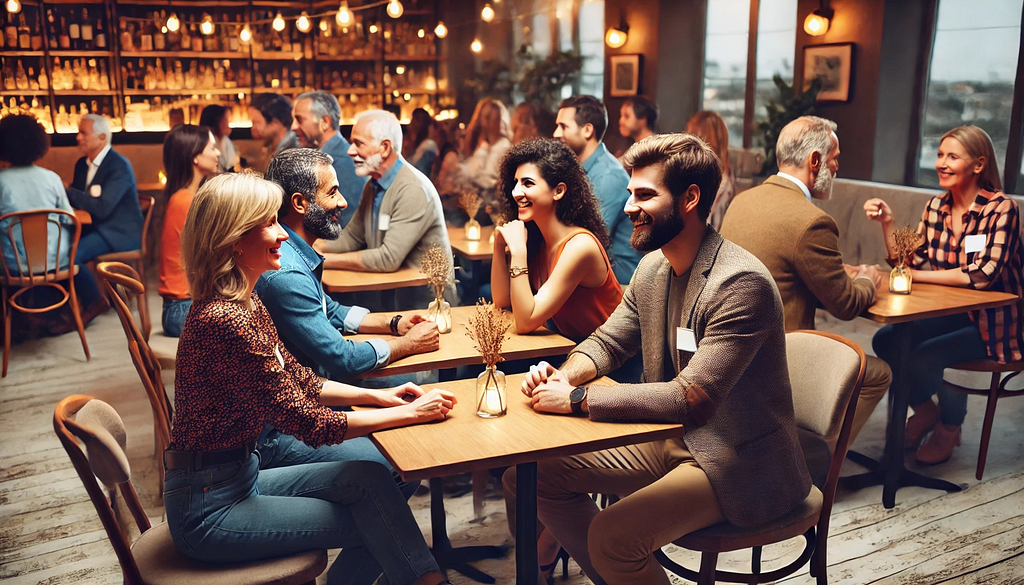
[394, 324]
[576, 398]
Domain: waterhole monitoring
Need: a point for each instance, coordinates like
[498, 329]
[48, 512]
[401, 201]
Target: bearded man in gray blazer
[709, 320]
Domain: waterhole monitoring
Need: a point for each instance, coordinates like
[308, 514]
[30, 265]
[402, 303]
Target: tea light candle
[900, 284]
[473, 232]
[492, 401]
[492, 238]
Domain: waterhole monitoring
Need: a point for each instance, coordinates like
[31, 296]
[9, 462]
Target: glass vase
[900, 280]
[440, 312]
[473, 230]
[490, 393]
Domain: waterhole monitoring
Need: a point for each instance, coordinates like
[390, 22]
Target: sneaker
[923, 420]
[939, 446]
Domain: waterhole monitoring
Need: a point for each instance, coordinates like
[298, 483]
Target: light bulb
[421, 33]
[373, 29]
[13, 6]
[245, 35]
[206, 27]
[615, 38]
[816, 24]
[487, 13]
[323, 25]
[303, 23]
[344, 16]
[278, 22]
[476, 46]
[173, 24]
[400, 69]
[395, 9]
[441, 31]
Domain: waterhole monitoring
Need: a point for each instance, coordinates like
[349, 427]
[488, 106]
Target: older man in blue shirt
[310, 323]
[581, 122]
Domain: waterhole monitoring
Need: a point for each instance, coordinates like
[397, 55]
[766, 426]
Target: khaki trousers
[877, 378]
[665, 495]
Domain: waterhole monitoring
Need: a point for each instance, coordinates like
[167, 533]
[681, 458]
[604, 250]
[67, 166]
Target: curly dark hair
[23, 140]
[557, 164]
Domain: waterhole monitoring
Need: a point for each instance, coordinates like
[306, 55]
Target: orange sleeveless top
[586, 309]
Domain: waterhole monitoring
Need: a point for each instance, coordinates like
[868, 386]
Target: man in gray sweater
[709, 321]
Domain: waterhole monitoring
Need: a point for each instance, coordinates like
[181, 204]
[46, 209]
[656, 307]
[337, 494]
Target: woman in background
[190, 157]
[419, 148]
[216, 118]
[711, 128]
[488, 138]
[530, 120]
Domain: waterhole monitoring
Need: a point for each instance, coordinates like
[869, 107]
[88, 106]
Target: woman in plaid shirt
[973, 239]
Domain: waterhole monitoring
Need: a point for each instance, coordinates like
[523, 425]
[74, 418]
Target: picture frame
[833, 65]
[625, 74]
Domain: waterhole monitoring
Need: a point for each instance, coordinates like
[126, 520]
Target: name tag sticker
[975, 243]
[95, 190]
[277, 353]
[384, 222]
[686, 340]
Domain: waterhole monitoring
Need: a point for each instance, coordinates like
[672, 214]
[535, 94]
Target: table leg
[526, 524]
[449, 557]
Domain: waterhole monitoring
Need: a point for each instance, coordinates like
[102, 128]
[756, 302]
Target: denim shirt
[25, 189]
[381, 186]
[610, 181]
[349, 183]
[311, 323]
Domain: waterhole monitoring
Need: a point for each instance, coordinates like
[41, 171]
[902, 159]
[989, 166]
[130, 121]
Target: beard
[822, 188]
[370, 165]
[321, 223]
[661, 229]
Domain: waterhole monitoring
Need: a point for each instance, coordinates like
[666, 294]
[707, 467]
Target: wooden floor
[49, 532]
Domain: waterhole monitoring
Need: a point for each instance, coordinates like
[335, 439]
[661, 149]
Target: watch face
[577, 394]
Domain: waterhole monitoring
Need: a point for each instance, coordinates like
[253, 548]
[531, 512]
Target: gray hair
[100, 125]
[323, 104]
[297, 170]
[794, 147]
[383, 125]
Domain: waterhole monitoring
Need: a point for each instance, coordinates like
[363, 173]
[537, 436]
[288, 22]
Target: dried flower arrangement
[436, 264]
[905, 241]
[470, 203]
[488, 329]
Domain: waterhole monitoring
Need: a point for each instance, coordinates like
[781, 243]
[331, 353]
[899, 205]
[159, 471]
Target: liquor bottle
[127, 39]
[186, 40]
[33, 81]
[75, 33]
[86, 31]
[51, 29]
[103, 77]
[11, 32]
[9, 83]
[37, 34]
[24, 34]
[43, 80]
[233, 40]
[129, 76]
[3, 45]
[101, 34]
[159, 38]
[146, 35]
[21, 78]
[197, 39]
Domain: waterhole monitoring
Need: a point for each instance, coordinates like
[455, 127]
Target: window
[971, 76]
[776, 37]
[725, 63]
[591, 32]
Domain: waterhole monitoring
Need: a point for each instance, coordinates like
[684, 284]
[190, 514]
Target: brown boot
[939, 446]
[924, 418]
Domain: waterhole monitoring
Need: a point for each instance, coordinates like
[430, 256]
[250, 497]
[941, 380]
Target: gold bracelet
[514, 271]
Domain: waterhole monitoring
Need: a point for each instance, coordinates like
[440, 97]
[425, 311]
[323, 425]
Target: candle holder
[473, 230]
[490, 393]
[905, 242]
[440, 312]
[900, 280]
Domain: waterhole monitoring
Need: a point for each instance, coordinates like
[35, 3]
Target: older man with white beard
[399, 215]
[799, 243]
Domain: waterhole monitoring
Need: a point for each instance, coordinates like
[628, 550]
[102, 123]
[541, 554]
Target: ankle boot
[939, 446]
[924, 418]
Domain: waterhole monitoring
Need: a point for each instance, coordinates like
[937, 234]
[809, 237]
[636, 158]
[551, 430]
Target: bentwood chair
[33, 268]
[137, 260]
[153, 558]
[996, 390]
[824, 399]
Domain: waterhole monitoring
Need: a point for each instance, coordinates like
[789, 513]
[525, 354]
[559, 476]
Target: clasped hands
[548, 389]
[431, 405]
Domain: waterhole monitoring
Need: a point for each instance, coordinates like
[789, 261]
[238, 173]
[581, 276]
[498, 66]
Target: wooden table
[465, 442]
[478, 254]
[926, 300]
[457, 348]
[346, 281]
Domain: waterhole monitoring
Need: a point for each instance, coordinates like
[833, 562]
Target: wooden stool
[996, 390]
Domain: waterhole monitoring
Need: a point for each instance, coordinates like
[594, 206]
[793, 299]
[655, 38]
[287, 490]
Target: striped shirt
[997, 266]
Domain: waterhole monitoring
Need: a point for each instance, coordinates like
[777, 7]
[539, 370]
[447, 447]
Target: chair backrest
[85, 421]
[121, 281]
[31, 246]
[148, 210]
[826, 372]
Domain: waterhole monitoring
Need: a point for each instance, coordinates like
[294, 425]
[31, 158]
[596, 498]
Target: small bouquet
[905, 242]
[471, 203]
[488, 329]
[436, 264]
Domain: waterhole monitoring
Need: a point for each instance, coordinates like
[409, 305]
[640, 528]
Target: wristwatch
[394, 324]
[576, 398]
[514, 271]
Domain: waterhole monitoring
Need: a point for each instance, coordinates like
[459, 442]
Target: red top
[586, 309]
[233, 374]
[173, 284]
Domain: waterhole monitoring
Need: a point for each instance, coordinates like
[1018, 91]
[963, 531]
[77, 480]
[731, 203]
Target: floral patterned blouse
[233, 374]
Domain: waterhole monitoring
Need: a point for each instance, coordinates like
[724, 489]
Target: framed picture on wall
[625, 71]
[832, 65]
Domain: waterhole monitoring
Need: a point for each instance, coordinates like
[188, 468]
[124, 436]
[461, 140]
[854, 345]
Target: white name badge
[975, 243]
[95, 190]
[277, 353]
[384, 222]
[686, 340]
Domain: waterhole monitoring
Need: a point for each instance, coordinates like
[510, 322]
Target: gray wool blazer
[733, 394]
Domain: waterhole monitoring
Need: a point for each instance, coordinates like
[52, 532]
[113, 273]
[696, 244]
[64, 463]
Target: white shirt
[799, 183]
[94, 165]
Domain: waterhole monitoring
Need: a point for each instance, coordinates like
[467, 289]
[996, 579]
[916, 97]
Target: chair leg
[708, 565]
[76, 311]
[140, 267]
[986, 427]
[819, 560]
[7, 331]
[755, 560]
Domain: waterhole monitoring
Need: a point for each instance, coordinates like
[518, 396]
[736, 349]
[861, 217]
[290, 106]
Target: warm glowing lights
[303, 23]
[278, 22]
[206, 27]
[440, 31]
[246, 35]
[476, 46]
[162, 176]
[345, 16]
[407, 96]
[13, 6]
[173, 24]
[324, 27]
[400, 69]
[395, 8]
[487, 13]
[615, 38]
[373, 28]
[421, 33]
[816, 23]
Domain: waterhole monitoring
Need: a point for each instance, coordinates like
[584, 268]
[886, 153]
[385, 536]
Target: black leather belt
[196, 460]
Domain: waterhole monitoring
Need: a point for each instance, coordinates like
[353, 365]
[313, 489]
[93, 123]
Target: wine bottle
[51, 29]
[159, 38]
[101, 34]
[24, 34]
[44, 81]
[11, 32]
[127, 40]
[86, 30]
[37, 34]
[75, 33]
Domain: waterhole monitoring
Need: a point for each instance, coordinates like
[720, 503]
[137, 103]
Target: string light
[395, 8]
[344, 16]
[476, 46]
[373, 29]
[206, 27]
[441, 31]
[13, 6]
[487, 13]
[303, 23]
[407, 97]
[400, 69]
[173, 24]
[246, 35]
[278, 22]
[421, 33]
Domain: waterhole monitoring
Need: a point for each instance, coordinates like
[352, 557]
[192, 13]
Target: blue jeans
[936, 344]
[281, 450]
[173, 318]
[236, 512]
